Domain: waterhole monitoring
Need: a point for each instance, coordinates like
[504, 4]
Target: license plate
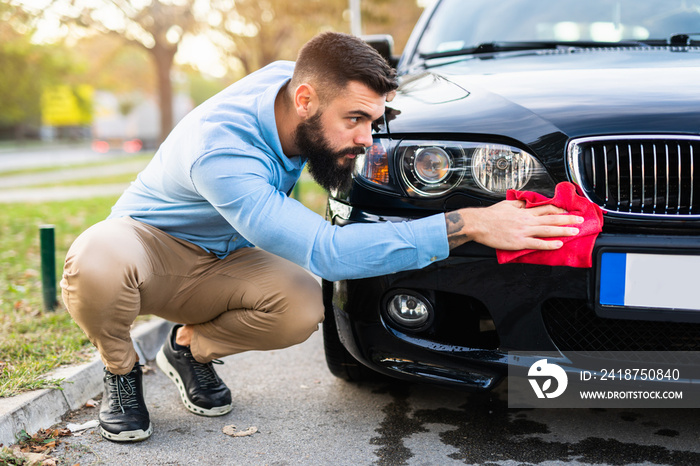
[666, 281]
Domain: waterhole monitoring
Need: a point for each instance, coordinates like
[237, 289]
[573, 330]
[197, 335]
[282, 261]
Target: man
[179, 242]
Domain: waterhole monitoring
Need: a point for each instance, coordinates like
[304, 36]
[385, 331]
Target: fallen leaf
[231, 430]
[31, 458]
[77, 429]
[43, 441]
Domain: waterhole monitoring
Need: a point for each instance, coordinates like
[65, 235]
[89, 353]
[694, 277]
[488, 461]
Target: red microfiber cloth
[577, 250]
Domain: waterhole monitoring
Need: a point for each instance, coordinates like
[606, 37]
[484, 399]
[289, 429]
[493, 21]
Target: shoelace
[205, 373]
[125, 387]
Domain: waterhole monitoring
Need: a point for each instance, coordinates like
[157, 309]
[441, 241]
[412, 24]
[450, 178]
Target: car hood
[526, 96]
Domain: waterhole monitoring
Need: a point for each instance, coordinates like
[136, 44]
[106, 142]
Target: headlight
[435, 168]
[498, 168]
[430, 169]
[373, 165]
[432, 165]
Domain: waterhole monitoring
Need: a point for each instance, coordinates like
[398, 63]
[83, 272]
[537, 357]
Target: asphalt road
[34, 156]
[22, 187]
[306, 416]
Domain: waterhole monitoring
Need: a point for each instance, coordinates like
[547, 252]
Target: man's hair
[331, 60]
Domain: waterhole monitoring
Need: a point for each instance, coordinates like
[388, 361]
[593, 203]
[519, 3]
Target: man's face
[331, 139]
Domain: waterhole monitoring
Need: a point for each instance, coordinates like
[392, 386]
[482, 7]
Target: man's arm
[508, 225]
[239, 188]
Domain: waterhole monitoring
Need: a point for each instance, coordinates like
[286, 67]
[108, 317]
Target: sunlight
[201, 53]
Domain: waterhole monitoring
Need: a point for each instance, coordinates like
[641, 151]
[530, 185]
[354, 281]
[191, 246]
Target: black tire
[338, 359]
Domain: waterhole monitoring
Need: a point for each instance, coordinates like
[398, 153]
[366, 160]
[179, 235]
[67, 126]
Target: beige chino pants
[121, 268]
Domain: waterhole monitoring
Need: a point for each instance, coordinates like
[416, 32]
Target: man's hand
[508, 225]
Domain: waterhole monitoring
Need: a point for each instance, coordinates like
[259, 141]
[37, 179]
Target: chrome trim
[692, 180]
[574, 152]
[617, 156]
[668, 180]
[595, 172]
[644, 190]
[656, 180]
[607, 183]
[680, 163]
[629, 156]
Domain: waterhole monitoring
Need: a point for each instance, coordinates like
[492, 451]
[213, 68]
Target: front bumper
[484, 310]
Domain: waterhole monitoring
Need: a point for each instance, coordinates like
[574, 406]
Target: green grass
[34, 341]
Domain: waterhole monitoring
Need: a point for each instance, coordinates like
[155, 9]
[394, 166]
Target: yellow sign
[64, 105]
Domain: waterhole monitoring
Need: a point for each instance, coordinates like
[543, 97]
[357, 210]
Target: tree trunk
[20, 132]
[163, 57]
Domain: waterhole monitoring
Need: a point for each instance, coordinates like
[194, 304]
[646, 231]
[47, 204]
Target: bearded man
[208, 237]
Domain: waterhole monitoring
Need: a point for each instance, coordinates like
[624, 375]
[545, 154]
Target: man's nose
[364, 135]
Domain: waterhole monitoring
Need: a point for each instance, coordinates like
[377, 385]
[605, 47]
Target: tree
[115, 68]
[252, 33]
[258, 32]
[25, 70]
[157, 26]
[202, 87]
[395, 17]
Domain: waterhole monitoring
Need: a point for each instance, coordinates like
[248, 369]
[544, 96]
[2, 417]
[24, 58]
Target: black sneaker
[201, 389]
[123, 414]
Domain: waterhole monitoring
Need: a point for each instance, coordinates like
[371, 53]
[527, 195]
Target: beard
[329, 168]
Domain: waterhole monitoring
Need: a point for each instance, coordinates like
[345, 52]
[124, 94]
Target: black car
[525, 94]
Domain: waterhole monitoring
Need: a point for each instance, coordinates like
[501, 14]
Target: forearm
[456, 229]
[508, 225]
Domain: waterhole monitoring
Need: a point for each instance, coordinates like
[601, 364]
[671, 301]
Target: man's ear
[306, 100]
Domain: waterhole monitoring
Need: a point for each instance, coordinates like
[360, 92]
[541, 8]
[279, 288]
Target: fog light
[409, 310]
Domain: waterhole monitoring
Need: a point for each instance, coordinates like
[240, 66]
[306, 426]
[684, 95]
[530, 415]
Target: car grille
[639, 175]
[573, 326]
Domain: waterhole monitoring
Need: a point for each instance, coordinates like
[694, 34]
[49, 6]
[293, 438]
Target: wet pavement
[306, 416]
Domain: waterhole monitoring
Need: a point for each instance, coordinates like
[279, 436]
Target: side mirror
[384, 44]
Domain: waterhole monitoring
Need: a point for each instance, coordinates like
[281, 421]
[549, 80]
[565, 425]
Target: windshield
[464, 24]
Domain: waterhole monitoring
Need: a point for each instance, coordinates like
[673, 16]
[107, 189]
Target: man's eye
[354, 119]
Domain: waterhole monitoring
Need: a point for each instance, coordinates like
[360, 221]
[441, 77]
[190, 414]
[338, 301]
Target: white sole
[172, 374]
[128, 435]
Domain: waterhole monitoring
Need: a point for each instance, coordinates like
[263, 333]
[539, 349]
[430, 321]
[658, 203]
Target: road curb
[43, 408]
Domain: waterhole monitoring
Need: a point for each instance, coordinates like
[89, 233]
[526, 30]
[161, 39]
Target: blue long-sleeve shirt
[220, 180]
